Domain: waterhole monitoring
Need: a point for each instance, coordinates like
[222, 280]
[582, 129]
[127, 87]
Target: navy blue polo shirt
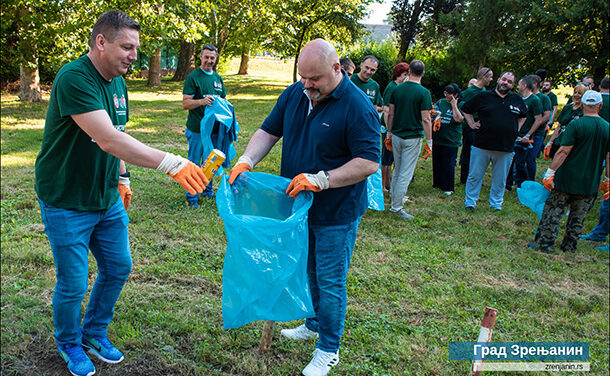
[499, 117]
[341, 127]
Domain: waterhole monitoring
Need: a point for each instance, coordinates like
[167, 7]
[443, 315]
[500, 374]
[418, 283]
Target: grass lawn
[413, 286]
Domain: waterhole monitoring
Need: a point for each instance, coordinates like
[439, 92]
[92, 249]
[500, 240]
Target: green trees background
[453, 37]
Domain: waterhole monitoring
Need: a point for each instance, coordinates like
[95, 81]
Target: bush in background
[385, 51]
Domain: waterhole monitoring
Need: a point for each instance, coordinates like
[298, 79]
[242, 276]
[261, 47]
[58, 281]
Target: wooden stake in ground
[487, 327]
[267, 337]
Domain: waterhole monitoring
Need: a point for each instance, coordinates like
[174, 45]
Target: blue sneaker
[592, 237]
[193, 203]
[103, 349]
[79, 363]
[604, 248]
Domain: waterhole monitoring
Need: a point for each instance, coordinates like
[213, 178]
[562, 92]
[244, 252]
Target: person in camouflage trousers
[574, 176]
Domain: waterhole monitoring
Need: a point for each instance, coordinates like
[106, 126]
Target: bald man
[331, 145]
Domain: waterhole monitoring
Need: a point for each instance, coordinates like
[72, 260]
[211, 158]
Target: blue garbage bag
[374, 190]
[533, 195]
[221, 112]
[265, 267]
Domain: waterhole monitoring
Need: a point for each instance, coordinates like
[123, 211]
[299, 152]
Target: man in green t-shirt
[77, 177]
[408, 121]
[604, 89]
[200, 89]
[484, 77]
[547, 85]
[364, 81]
[538, 134]
[574, 176]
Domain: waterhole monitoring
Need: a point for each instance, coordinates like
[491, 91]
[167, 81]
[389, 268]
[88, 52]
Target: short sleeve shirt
[605, 111]
[387, 93]
[341, 127]
[534, 108]
[370, 88]
[580, 173]
[547, 105]
[72, 172]
[553, 99]
[199, 84]
[409, 100]
[499, 117]
[467, 95]
[450, 132]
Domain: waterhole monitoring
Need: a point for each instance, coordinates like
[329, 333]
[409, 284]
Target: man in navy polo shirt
[331, 144]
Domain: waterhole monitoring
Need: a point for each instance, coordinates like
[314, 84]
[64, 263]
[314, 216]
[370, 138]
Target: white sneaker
[300, 332]
[321, 363]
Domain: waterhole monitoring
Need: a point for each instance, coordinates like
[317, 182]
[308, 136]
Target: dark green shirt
[200, 84]
[567, 114]
[72, 172]
[370, 88]
[580, 173]
[605, 111]
[546, 106]
[467, 95]
[534, 107]
[387, 93]
[409, 100]
[450, 133]
[553, 99]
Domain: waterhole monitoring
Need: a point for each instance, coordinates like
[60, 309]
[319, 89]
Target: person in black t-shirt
[501, 114]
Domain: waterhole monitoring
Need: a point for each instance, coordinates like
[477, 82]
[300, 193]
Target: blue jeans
[330, 253]
[531, 156]
[196, 156]
[500, 165]
[603, 225]
[71, 234]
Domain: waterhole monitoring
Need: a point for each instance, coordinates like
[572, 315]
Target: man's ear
[100, 42]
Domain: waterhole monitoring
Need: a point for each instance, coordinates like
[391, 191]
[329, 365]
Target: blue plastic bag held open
[374, 191]
[533, 195]
[265, 268]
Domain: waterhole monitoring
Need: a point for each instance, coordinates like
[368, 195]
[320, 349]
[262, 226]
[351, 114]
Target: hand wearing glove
[547, 151]
[244, 163]
[388, 142]
[605, 187]
[436, 124]
[124, 189]
[308, 182]
[427, 149]
[547, 179]
[189, 175]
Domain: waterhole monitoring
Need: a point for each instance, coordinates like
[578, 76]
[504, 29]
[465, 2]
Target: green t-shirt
[546, 106]
[567, 114]
[409, 100]
[370, 88]
[200, 84]
[580, 173]
[450, 133]
[467, 95]
[72, 172]
[386, 101]
[553, 99]
[534, 107]
[605, 111]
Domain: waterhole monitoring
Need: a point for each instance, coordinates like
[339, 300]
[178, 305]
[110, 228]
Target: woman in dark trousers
[446, 136]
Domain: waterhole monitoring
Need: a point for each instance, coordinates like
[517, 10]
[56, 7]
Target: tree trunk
[243, 65]
[186, 61]
[154, 70]
[29, 89]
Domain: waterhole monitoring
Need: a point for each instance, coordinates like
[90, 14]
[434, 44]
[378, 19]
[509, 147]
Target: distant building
[379, 32]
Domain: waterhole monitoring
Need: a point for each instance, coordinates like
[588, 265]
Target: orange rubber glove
[189, 175]
[244, 164]
[547, 151]
[308, 182]
[125, 193]
[547, 179]
[436, 125]
[426, 152]
[605, 187]
[388, 142]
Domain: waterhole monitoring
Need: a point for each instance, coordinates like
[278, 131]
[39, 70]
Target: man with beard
[547, 85]
[330, 146]
[200, 88]
[501, 114]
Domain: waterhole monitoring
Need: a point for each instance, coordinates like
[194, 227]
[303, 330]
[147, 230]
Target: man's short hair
[528, 82]
[110, 24]
[209, 47]
[541, 73]
[535, 79]
[346, 63]
[483, 72]
[416, 68]
[367, 57]
[605, 84]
